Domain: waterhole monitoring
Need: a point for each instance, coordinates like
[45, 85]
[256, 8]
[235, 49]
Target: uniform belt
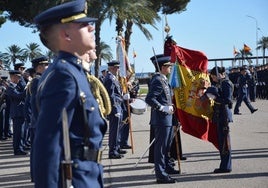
[86, 154]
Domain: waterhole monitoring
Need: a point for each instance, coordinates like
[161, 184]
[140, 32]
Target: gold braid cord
[101, 95]
[29, 87]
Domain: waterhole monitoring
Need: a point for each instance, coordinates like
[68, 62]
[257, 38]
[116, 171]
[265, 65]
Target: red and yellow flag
[193, 111]
[246, 48]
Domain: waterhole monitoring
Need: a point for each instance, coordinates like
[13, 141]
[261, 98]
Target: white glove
[210, 96]
[117, 115]
[126, 96]
[167, 109]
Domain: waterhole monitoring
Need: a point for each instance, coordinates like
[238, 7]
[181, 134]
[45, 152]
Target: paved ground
[249, 138]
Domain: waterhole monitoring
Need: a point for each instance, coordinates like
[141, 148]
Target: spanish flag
[246, 48]
[193, 110]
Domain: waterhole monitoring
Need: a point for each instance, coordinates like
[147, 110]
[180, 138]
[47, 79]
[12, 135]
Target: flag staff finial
[167, 28]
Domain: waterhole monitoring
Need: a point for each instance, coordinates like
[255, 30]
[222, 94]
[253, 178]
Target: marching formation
[60, 112]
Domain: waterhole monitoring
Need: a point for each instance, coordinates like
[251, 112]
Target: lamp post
[256, 36]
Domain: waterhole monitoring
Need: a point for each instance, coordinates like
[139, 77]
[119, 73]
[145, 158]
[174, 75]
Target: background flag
[134, 54]
[193, 110]
[235, 51]
[246, 48]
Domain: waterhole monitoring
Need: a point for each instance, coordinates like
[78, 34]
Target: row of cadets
[118, 131]
[39, 65]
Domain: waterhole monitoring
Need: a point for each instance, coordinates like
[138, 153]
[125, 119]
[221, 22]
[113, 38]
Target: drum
[138, 106]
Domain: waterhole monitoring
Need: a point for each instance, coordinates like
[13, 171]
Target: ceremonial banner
[125, 68]
[122, 57]
[193, 109]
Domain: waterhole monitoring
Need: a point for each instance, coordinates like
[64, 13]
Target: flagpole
[123, 82]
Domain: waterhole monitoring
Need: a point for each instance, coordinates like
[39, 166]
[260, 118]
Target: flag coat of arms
[193, 110]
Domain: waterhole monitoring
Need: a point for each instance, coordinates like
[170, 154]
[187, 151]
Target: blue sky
[211, 26]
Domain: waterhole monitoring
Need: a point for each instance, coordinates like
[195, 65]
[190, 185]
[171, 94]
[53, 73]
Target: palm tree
[32, 51]
[13, 54]
[263, 44]
[105, 53]
[50, 55]
[131, 12]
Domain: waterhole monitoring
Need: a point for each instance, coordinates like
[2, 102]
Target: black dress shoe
[115, 156]
[218, 170]
[21, 153]
[166, 180]
[183, 158]
[120, 151]
[126, 147]
[254, 110]
[172, 171]
[3, 138]
[171, 164]
[237, 113]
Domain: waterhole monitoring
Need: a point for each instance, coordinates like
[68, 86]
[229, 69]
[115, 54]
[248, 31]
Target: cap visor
[85, 20]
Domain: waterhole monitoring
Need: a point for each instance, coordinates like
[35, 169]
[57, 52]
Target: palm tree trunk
[119, 26]
[263, 53]
[128, 33]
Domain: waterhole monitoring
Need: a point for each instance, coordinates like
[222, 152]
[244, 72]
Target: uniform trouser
[161, 149]
[17, 134]
[26, 134]
[252, 92]
[7, 130]
[225, 154]
[124, 134]
[242, 97]
[114, 126]
[32, 134]
[2, 122]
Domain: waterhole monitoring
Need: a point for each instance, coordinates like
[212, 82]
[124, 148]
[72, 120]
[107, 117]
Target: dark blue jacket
[159, 94]
[33, 90]
[16, 96]
[114, 90]
[225, 96]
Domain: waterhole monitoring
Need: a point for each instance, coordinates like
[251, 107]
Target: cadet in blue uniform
[68, 32]
[252, 83]
[39, 64]
[115, 92]
[159, 97]
[222, 94]
[17, 97]
[3, 87]
[243, 81]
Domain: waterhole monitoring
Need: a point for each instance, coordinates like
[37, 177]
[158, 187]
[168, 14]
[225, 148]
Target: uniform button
[92, 108]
